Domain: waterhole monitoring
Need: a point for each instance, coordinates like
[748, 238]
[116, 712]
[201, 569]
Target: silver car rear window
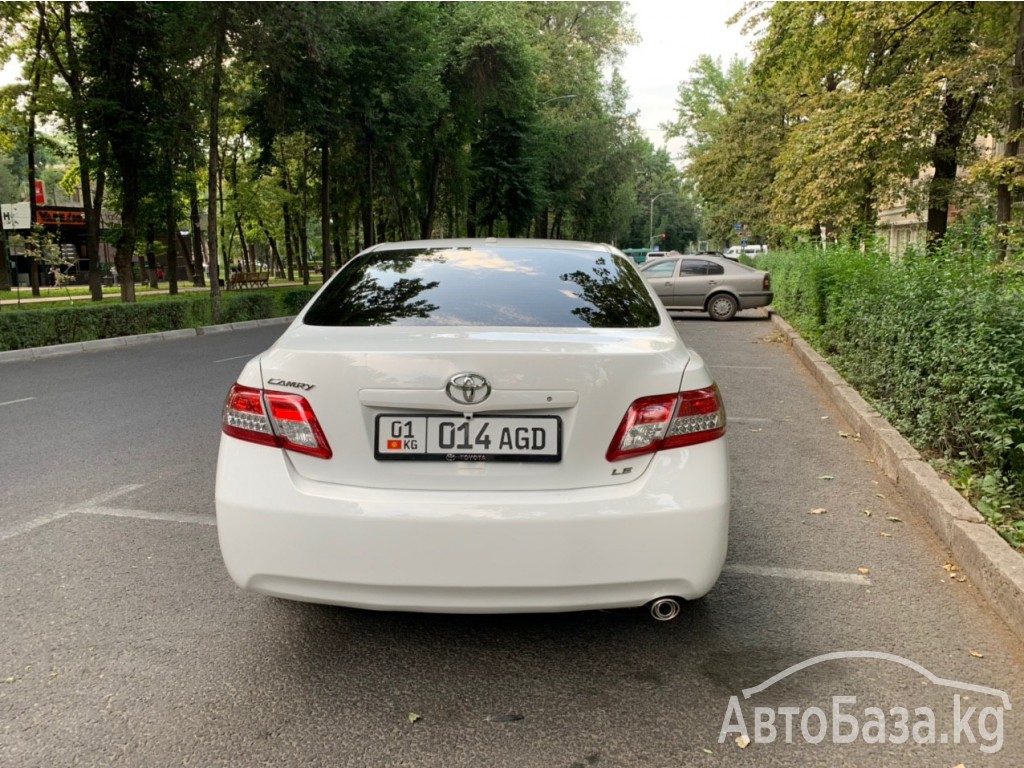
[471, 286]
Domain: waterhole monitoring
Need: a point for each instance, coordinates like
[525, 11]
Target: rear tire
[722, 306]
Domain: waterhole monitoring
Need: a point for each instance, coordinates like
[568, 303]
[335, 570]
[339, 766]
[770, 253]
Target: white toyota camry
[477, 426]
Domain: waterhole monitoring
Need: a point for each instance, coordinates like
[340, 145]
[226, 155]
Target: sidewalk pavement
[57, 294]
[995, 568]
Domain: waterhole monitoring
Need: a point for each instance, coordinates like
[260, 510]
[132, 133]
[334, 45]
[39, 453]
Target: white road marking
[15, 402]
[60, 514]
[31, 525]
[110, 495]
[797, 573]
[227, 359]
[142, 514]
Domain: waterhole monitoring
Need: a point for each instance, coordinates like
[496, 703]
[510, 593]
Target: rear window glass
[540, 287]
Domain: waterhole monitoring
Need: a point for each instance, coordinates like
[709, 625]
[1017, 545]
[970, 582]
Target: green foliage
[246, 305]
[937, 343]
[22, 329]
[292, 302]
[842, 108]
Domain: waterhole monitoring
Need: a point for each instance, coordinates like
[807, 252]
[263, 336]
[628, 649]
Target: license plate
[456, 438]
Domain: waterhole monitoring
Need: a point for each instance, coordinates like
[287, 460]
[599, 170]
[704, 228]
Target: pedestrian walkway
[58, 294]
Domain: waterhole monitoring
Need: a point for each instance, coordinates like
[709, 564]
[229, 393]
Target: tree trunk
[33, 260]
[246, 259]
[427, 224]
[304, 252]
[366, 198]
[151, 257]
[172, 251]
[5, 270]
[948, 139]
[325, 207]
[1004, 199]
[125, 252]
[195, 222]
[289, 247]
[211, 222]
[275, 255]
[336, 237]
[303, 223]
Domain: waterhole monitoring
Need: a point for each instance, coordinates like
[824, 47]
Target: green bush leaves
[936, 342]
[23, 329]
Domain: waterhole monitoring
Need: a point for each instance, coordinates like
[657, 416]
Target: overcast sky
[673, 35]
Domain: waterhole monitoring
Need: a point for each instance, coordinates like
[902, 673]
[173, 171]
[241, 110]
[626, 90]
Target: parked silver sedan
[708, 284]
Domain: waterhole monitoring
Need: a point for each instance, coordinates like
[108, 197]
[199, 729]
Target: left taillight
[669, 421]
[279, 419]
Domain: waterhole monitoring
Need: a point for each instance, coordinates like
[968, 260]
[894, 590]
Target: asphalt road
[124, 642]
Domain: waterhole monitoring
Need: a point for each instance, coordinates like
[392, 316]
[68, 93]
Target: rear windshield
[541, 287]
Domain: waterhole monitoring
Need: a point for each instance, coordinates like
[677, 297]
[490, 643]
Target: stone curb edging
[994, 567]
[57, 350]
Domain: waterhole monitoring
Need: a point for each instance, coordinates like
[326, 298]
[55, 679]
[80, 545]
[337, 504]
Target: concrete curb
[994, 567]
[99, 345]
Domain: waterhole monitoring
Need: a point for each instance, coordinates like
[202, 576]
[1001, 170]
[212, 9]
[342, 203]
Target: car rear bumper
[662, 534]
[754, 300]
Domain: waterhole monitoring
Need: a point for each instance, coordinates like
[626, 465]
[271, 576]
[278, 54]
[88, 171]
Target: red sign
[63, 217]
[40, 193]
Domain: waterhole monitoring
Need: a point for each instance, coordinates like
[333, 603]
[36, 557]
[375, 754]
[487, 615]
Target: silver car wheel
[722, 307]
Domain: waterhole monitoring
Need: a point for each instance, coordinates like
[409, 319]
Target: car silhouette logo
[468, 388]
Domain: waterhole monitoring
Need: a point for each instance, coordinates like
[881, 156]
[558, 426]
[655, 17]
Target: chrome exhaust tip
[665, 608]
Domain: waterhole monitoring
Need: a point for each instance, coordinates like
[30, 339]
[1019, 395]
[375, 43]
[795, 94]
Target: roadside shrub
[26, 328]
[246, 306]
[935, 341]
[293, 301]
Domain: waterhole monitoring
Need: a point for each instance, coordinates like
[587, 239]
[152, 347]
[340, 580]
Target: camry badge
[468, 388]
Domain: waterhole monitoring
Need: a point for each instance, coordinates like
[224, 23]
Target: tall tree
[61, 29]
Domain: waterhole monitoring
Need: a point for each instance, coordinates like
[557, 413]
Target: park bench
[249, 280]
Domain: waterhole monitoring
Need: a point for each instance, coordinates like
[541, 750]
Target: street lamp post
[650, 231]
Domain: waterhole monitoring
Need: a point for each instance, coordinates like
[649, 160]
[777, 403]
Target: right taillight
[669, 421]
[280, 419]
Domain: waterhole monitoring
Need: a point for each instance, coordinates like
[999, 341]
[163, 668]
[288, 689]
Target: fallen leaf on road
[880, 495]
[413, 717]
[844, 434]
[867, 512]
[707, 751]
[825, 477]
[886, 535]
[977, 655]
[757, 430]
[743, 741]
[818, 511]
[950, 567]
[959, 578]
[863, 571]
[824, 418]
[894, 519]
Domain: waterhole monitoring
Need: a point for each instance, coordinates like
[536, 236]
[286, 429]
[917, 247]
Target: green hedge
[22, 329]
[936, 342]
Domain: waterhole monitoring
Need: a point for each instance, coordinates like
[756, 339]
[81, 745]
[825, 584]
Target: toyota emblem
[468, 388]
